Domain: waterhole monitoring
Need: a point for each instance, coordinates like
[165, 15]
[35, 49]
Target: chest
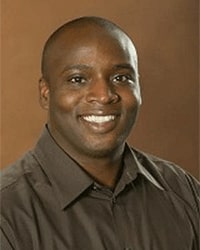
[133, 220]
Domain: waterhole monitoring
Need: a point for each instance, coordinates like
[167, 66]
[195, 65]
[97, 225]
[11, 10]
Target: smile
[99, 118]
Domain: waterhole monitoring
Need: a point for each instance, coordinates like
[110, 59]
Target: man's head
[90, 86]
[80, 24]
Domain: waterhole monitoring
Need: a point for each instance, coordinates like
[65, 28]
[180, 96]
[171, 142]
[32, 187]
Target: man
[82, 186]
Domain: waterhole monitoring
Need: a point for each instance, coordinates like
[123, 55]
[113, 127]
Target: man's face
[93, 92]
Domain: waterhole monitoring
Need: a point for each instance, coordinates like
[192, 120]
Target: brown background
[166, 36]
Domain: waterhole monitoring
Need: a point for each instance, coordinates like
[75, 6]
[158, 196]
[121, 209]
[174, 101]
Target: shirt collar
[69, 180]
[66, 177]
[132, 156]
[134, 166]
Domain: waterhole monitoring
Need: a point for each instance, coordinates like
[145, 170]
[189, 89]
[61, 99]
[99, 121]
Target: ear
[44, 93]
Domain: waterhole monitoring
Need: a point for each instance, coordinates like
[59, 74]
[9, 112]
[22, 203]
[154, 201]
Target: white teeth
[99, 119]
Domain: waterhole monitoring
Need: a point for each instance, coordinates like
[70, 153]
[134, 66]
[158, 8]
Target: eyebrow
[124, 66]
[86, 67]
[76, 66]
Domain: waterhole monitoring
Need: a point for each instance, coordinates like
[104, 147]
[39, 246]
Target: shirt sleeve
[5, 244]
[6, 237]
[195, 191]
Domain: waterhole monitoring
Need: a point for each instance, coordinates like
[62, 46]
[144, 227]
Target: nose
[102, 92]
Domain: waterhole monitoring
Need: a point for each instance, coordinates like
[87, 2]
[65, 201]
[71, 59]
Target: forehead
[89, 33]
[82, 42]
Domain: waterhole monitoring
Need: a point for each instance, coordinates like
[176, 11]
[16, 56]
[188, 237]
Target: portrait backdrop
[166, 36]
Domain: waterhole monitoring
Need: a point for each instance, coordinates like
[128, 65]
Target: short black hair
[78, 22]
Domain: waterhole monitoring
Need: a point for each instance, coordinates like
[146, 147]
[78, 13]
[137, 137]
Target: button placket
[114, 199]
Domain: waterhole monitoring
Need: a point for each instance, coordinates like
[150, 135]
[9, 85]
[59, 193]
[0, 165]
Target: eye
[123, 79]
[77, 80]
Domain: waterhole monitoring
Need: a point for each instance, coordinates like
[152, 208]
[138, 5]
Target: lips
[99, 123]
[99, 118]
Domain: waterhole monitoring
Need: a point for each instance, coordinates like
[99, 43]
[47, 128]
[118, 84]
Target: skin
[92, 71]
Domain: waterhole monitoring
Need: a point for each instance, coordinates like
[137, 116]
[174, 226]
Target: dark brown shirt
[48, 202]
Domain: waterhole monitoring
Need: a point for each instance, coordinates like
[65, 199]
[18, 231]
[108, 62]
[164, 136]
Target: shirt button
[114, 200]
[94, 187]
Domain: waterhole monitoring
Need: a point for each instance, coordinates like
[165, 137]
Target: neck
[105, 171]
[105, 167]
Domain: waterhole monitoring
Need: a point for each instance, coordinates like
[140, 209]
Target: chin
[100, 150]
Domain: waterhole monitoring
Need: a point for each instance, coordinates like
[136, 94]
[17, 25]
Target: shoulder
[172, 177]
[18, 181]
[14, 173]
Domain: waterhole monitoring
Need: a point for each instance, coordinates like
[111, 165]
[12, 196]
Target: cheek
[64, 102]
[131, 98]
[137, 94]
